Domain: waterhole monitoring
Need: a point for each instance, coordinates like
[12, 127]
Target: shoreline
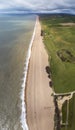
[31, 98]
[23, 120]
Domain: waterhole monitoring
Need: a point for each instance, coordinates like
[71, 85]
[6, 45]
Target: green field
[59, 40]
[71, 117]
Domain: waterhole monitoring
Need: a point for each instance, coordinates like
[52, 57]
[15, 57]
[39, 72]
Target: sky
[38, 6]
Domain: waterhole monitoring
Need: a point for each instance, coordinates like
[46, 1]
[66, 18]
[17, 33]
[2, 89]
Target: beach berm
[39, 102]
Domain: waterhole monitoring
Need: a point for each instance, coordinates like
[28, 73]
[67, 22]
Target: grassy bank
[59, 39]
[71, 116]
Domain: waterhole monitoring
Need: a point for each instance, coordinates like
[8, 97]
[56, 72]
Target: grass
[64, 111]
[58, 41]
[71, 120]
[58, 38]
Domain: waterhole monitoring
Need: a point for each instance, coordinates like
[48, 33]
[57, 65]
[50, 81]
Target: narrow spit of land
[40, 106]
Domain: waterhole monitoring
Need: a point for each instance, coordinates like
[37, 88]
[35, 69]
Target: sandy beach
[39, 102]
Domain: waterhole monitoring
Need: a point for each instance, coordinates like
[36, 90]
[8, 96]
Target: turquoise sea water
[15, 36]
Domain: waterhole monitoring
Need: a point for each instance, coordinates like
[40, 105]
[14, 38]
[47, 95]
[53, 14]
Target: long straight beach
[40, 106]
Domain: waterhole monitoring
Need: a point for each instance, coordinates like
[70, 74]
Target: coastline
[22, 95]
[39, 102]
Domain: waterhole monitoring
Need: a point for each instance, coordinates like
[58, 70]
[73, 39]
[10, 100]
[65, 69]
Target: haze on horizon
[35, 6]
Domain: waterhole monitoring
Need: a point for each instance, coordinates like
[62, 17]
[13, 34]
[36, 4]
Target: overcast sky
[59, 6]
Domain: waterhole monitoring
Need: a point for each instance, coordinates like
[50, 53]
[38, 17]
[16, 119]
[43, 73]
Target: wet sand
[39, 102]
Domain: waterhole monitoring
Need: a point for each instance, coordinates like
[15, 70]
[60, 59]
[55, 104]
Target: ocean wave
[22, 96]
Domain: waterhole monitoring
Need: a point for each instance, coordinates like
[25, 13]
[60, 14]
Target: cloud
[38, 6]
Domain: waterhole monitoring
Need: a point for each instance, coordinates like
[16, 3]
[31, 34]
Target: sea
[16, 36]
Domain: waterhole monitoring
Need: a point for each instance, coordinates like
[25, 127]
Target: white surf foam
[23, 113]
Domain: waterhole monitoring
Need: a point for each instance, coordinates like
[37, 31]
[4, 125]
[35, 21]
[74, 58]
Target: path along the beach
[40, 106]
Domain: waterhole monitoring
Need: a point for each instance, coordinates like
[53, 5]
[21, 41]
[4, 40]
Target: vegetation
[71, 118]
[59, 40]
[64, 111]
[57, 117]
